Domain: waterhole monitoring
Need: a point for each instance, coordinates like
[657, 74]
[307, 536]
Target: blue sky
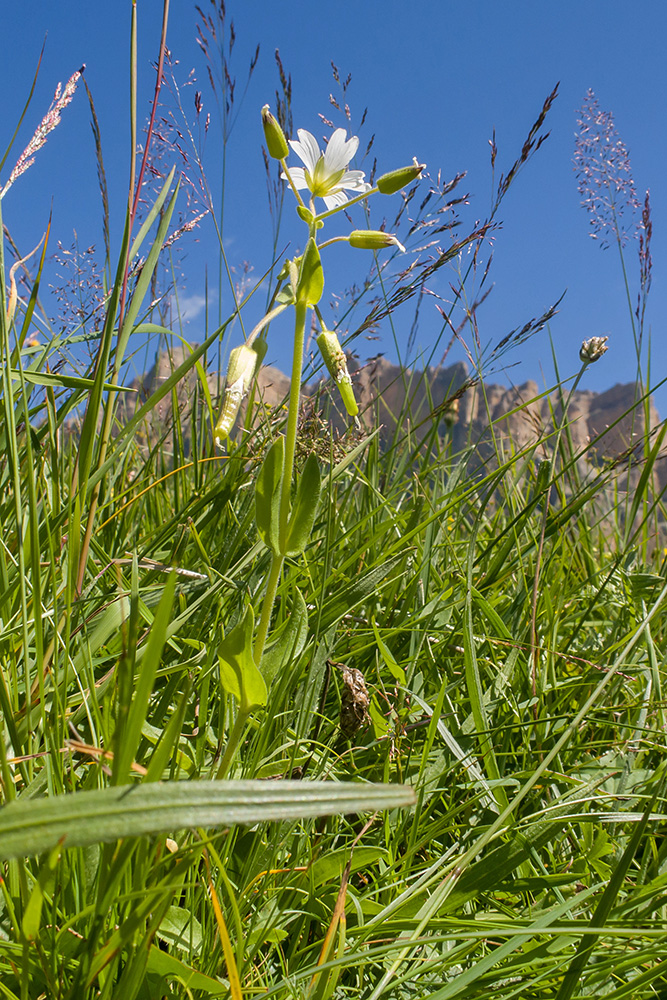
[437, 78]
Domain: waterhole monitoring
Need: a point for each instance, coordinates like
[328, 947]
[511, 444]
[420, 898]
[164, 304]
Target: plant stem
[291, 183]
[534, 645]
[292, 420]
[346, 205]
[267, 605]
[232, 744]
[286, 486]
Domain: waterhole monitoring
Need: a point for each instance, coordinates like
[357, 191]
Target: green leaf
[575, 970]
[344, 601]
[311, 276]
[33, 912]
[290, 642]
[330, 867]
[129, 738]
[286, 296]
[168, 967]
[395, 669]
[305, 507]
[267, 495]
[238, 671]
[31, 826]
[381, 725]
[181, 930]
[64, 381]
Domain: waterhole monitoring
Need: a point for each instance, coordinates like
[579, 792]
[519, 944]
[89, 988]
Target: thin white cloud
[189, 307]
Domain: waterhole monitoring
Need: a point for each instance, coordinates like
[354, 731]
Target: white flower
[326, 174]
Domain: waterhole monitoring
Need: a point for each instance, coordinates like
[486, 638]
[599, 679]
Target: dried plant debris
[354, 701]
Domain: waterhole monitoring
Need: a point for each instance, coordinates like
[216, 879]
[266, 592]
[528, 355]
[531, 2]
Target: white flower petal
[334, 199]
[353, 180]
[298, 175]
[339, 152]
[306, 149]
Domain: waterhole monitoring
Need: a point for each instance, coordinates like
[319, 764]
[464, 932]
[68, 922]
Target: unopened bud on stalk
[593, 349]
[373, 239]
[243, 362]
[396, 179]
[276, 143]
[336, 362]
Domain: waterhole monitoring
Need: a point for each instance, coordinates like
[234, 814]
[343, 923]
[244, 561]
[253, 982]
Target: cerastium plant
[56, 483]
[285, 510]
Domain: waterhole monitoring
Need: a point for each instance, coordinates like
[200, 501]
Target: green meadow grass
[483, 816]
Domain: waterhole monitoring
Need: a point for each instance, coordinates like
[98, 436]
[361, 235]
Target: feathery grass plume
[51, 120]
[604, 177]
[79, 288]
[174, 145]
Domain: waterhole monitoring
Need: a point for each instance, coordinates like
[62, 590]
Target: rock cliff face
[492, 417]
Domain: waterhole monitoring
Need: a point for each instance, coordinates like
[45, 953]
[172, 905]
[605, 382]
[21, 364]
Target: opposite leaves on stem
[267, 495]
[305, 507]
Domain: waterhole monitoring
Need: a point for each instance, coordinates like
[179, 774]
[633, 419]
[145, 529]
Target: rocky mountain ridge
[607, 425]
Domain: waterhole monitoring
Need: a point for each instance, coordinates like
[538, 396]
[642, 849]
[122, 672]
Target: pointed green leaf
[574, 972]
[291, 641]
[395, 669]
[311, 276]
[32, 826]
[267, 495]
[128, 740]
[162, 963]
[382, 726]
[33, 912]
[305, 507]
[181, 929]
[238, 672]
[345, 600]
[64, 381]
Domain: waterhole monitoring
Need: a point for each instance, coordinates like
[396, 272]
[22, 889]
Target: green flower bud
[243, 362]
[373, 239]
[336, 362]
[260, 347]
[305, 214]
[276, 143]
[396, 179]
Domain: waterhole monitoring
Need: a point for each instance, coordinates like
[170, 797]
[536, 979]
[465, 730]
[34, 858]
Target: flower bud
[242, 365]
[336, 362]
[276, 143]
[593, 349]
[373, 239]
[305, 214]
[396, 179]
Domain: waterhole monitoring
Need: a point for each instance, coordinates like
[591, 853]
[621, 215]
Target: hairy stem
[267, 605]
[292, 420]
[232, 744]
